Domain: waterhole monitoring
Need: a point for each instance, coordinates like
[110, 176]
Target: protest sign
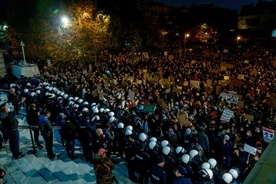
[249, 117]
[131, 95]
[268, 134]
[240, 76]
[226, 77]
[183, 118]
[229, 97]
[218, 89]
[194, 84]
[226, 115]
[146, 54]
[250, 149]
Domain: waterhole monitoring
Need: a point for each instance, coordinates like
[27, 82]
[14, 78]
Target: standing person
[10, 130]
[180, 178]
[33, 120]
[47, 133]
[157, 174]
[2, 174]
[227, 150]
[69, 134]
[103, 167]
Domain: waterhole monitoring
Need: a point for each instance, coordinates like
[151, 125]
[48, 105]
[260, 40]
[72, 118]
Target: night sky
[232, 4]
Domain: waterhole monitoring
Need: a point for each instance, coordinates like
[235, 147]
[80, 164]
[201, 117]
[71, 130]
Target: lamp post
[23, 52]
[238, 38]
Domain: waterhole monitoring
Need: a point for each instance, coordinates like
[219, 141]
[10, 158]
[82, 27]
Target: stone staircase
[37, 168]
[3, 71]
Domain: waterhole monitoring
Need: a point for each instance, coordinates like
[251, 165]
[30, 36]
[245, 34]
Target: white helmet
[70, 98]
[62, 93]
[193, 153]
[76, 98]
[120, 125]
[95, 109]
[93, 104]
[32, 94]
[185, 158]
[76, 106]
[85, 103]
[152, 145]
[80, 101]
[129, 127]
[111, 119]
[128, 132]
[65, 96]
[12, 85]
[153, 139]
[111, 114]
[38, 91]
[234, 172]
[166, 150]
[28, 84]
[164, 143]
[180, 150]
[106, 110]
[206, 165]
[25, 90]
[227, 177]
[210, 173]
[212, 162]
[85, 109]
[101, 110]
[143, 136]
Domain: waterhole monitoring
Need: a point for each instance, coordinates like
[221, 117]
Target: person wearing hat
[180, 178]
[103, 167]
[157, 174]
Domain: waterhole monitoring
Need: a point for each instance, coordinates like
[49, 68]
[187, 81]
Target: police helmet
[166, 150]
[38, 91]
[234, 172]
[206, 165]
[32, 94]
[153, 139]
[80, 101]
[227, 177]
[76, 106]
[12, 85]
[70, 98]
[85, 109]
[95, 109]
[142, 136]
[193, 153]
[28, 84]
[106, 110]
[129, 127]
[112, 119]
[212, 162]
[180, 150]
[85, 103]
[185, 158]
[101, 110]
[76, 99]
[25, 90]
[65, 96]
[206, 174]
[152, 145]
[93, 104]
[70, 103]
[120, 125]
[128, 132]
[111, 114]
[164, 143]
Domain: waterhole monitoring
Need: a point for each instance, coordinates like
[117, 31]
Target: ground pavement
[37, 168]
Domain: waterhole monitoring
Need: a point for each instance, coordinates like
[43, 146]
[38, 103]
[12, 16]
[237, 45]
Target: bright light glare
[65, 21]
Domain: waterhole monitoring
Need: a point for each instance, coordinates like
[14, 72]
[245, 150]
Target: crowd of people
[131, 107]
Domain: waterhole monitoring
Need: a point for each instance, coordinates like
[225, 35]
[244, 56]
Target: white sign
[226, 115]
[230, 97]
[268, 134]
[250, 149]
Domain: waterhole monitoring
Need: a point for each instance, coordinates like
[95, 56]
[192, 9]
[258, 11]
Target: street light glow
[65, 21]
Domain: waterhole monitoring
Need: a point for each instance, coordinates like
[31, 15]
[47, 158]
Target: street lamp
[23, 52]
[186, 36]
[238, 38]
[65, 21]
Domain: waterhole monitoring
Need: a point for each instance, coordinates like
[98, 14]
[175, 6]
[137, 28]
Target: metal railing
[31, 133]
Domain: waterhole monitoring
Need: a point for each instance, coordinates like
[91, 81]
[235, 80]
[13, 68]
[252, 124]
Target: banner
[226, 115]
[268, 134]
[250, 149]
[145, 108]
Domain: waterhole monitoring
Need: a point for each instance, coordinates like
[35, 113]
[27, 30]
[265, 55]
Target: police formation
[158, 156]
